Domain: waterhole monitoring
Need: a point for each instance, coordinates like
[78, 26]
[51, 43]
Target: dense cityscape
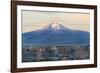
[55, 53]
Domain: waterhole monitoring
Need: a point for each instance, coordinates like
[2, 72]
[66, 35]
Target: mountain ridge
[55, 34]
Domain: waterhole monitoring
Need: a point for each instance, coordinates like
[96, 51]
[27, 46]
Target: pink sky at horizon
[34, 20]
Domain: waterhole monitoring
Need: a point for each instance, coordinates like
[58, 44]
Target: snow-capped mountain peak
[55, 27]
[56, 34]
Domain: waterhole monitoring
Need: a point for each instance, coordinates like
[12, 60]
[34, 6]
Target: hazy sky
[33, 20]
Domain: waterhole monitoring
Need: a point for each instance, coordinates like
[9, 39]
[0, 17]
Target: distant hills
[56, 34]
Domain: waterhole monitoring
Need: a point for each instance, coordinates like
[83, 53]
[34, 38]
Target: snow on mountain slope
[55, 34]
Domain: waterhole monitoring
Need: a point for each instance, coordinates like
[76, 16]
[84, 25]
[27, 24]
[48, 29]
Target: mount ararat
[55, 34]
